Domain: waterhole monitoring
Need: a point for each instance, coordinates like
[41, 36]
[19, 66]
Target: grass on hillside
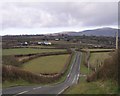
[18, 51]
[47, 64]
[97, 59]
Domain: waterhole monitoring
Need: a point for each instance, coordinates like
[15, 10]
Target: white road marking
[74, 79]
[63, 90]
[22, 92]
[71, 67]
[37, 88]
[73, 62]
[68, 75]
[77, 78]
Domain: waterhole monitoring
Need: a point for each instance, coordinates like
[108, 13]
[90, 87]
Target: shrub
[109, 70]
[12, 73]
[10, 60]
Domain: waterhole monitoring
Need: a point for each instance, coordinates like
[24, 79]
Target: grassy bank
[18, 51]
[47, 64]
[98, 87]
[83, 69]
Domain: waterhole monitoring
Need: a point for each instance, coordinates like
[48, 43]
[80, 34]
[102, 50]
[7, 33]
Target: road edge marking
[62, 90]
[21, 92]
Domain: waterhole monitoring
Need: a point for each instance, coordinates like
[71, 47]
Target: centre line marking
[37, 88]
[74, 79]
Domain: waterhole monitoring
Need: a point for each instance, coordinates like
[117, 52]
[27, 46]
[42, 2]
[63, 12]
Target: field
[47, 64]
[98, 58]
[18, 51]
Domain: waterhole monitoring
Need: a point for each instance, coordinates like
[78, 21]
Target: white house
[47, 43]
[40, 43]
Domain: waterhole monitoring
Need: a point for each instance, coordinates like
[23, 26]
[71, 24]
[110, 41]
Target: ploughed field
[47, 64]
[18, 51]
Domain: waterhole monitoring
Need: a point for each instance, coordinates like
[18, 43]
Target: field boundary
[33, 56]
[15, 73]
[92, 51]
[45, 47]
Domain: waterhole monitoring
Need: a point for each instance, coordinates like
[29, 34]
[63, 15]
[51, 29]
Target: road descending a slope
[56, 89]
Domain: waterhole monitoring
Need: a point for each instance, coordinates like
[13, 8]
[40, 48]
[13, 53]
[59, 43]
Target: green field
[47, 64]
[98, 58]
[17, 51]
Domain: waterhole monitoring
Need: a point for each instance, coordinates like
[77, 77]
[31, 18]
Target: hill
[106, 31]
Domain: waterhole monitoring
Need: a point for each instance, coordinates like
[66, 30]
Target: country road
[72, 78]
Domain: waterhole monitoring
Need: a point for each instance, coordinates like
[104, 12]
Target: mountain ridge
[105, 31]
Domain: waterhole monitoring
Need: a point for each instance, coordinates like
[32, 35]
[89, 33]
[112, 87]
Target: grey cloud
[64, 14]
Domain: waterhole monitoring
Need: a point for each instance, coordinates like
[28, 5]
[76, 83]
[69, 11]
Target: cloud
[58, 14]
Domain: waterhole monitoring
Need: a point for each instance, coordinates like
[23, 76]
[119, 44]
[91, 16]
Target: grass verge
[98, 87]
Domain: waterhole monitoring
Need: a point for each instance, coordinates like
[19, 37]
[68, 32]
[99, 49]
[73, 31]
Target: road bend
[71, 79]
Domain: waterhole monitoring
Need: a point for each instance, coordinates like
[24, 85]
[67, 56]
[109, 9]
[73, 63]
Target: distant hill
[100, 32]
[106, 31]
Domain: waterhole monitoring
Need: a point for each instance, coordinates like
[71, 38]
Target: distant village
[38, 43]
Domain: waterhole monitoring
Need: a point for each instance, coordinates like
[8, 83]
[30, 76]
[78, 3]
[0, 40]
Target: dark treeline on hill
[109, 70]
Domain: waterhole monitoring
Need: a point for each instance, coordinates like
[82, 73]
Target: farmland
[18, 51]
[47, 64]
[98, 58]
[43, 64]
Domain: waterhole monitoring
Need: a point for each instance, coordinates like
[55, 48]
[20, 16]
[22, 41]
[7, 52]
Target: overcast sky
[50, 17]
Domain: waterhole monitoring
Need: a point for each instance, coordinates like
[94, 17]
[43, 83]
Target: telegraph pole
[116, 40]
